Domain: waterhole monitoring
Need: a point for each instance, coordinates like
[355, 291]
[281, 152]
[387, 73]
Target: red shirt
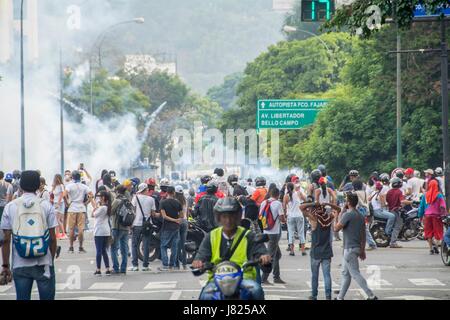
[394, 199]
[219, 195]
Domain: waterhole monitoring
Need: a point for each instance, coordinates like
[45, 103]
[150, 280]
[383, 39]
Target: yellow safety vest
[239, 256]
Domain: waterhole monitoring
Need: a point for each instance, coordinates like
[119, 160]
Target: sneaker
[164, 268]
[133, 269]
[97, 273]
[292, 253]
[108, 272]
[372, 298]
[58, 251]
[304, 253]
[395, 246]
[267, 283]
[71, 250]
[185, 267]
[278, 281]
[431, 252]
[371, 248]
[146, 269]
[81, 250]
[436, 250]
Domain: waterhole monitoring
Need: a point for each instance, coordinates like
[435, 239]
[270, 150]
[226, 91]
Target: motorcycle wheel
[413, 232]
[379, 236]
[154, 252]
[444, 254]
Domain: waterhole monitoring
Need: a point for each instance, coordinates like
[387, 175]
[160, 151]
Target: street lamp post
[22, 93]
[290, 29]
[61, 111]
[102, 37]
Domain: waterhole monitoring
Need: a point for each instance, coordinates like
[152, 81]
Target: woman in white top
[102, 231]
[59, 204]
[295, 220]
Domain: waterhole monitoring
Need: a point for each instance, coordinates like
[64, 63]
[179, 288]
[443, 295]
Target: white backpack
[30, 231]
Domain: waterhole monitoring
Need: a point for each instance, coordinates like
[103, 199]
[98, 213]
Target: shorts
[76, 219]
[433, 227]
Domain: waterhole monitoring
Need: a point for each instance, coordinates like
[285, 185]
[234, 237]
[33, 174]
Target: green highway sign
[287, 114]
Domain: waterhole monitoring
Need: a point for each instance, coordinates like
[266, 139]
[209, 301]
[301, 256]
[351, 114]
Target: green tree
[225, 94]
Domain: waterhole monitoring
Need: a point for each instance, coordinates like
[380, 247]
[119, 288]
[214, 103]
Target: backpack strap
[142, 211]
[231, 251]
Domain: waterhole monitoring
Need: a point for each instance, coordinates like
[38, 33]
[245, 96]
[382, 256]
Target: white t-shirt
[43, 195]
[7, 222]
[293, 207]
[277, 210]
[415, 184]
[147, 203]
[441, 183]
[101, 222]
[57, 193]
[376, 203]
[77, 191]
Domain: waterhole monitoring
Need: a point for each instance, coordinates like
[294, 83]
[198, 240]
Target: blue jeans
[24, 278]
[120, 240]
[181, 250]
[250, 290]
[101, 244]
[369, 238]
[169, 239]
[137, 234]
[296, 224]
[447, 237]
[386, 215]
[326, 270]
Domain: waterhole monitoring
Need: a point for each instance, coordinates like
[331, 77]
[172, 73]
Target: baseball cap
[142, 187]
[429, 171]
[409, 171]
[178, 189]
[151, 182]
[294, 178]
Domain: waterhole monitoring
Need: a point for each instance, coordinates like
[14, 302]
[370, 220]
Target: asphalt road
[404, 274]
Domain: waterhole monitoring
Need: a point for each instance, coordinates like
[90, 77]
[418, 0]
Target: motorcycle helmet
[400, 174]
[17, 174]
[353, 173]
[260, 182]
[289, 177]
[211, 187]
[375, 176]
[9, 177]
[164, 182]
[384, 177]
[396, 182]
[150, 182]
[219, 172]
[135, 181]
[322, 169]
[227, 205]
[315, 175]
[439, 172]
[232, 179]
[205, 179]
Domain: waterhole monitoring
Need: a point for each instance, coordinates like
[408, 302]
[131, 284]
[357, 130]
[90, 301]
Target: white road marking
[322, 284]
[274, 285]
[175, 295]
[412, 298]
[106, 286]
[378, 282]
[426, 282]
[161, 285]
[278, 297]
[5, 288]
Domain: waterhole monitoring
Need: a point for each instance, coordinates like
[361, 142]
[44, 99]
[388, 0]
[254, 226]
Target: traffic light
[317, 10]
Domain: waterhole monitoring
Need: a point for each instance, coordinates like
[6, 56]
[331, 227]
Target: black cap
[171, 189]
[30, 181]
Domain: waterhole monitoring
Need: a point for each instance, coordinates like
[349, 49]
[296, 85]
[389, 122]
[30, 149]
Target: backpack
[31, 236]
[126, 213]
[266, 217]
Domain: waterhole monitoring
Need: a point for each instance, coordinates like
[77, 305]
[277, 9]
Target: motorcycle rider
[396, 200]
[222, 241]
[204, 209]
[440, 178]
[261, 191]
[378, 200]
[235, 189]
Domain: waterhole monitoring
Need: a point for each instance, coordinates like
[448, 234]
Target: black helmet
[384, 177]
[315, 175]
[205, 179]
[76, 175]
[211, 187]
[232, 179]
[353, 173]
[219, 172]
[375, 175]
[399, 174]
[249, 180]
[227, 205]
[260, 181]
[322, 169]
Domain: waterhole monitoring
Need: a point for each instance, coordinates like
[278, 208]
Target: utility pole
[399, 92]
[444, 93]
[22, 93]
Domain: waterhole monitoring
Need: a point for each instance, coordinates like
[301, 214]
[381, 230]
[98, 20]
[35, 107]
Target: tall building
[10, 30]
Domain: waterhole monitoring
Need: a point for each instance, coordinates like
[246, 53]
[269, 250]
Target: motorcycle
[194, 238]
[412, 227]
[228, 276]
[444, 248]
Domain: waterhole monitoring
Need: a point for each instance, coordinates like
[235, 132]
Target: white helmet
[439, 171]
